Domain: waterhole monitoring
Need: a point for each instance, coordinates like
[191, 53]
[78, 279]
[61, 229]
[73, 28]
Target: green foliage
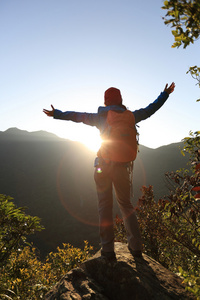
[23, 274]
[67, 258]
[27, 277]
[184, 18]
[192, 281]
[195, 73]
[15, 225]
[192, 145]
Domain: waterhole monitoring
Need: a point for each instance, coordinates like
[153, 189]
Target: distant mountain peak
[14, 130]
[15, 133]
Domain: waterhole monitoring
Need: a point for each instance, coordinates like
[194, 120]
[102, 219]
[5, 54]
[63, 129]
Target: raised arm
[91, 119]
[144, 113]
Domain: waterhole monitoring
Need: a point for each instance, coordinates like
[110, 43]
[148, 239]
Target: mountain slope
[53, 178]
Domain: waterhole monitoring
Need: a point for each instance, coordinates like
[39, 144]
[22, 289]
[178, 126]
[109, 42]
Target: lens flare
[74, 208]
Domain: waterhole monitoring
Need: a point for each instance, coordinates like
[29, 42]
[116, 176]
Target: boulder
[127, 278]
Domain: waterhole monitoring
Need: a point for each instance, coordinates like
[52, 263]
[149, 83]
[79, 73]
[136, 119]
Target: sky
[68, 52]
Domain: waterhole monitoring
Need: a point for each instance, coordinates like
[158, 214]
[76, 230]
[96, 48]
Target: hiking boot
[135, 253]
[110, 256]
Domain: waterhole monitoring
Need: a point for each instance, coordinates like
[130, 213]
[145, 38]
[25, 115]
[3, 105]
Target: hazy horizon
[82, 143]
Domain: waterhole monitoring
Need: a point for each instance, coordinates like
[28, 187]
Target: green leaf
[183, 152]
[178, 38]
[193, 241]
[176, 14]
[175, 32]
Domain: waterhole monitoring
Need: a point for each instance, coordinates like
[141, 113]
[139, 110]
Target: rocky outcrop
[127, 278]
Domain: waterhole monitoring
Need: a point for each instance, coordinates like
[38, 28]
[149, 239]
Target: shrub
[15, 226]
[170, 227]
[23, 274]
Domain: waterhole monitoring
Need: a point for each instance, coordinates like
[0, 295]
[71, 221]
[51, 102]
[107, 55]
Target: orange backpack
[119, 139]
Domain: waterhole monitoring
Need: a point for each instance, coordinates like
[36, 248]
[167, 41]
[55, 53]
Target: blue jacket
[99, 119]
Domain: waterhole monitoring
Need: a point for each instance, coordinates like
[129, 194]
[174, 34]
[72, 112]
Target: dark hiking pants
[106, 177]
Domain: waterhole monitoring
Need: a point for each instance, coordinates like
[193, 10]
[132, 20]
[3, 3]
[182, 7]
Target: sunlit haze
[67, 53]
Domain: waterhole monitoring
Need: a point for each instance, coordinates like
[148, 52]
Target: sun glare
[88, 136]
[92, 142]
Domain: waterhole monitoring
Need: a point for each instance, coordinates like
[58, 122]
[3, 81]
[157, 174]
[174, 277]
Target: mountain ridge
[17, 133]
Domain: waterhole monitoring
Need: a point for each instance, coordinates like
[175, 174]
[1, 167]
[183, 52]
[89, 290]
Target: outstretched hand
[169, 89]
[49, 113]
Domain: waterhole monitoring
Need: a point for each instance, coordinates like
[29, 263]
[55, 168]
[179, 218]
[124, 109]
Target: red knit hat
[112, 96]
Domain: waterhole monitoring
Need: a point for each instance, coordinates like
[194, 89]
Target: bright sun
[88, 136]
[92, 142]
